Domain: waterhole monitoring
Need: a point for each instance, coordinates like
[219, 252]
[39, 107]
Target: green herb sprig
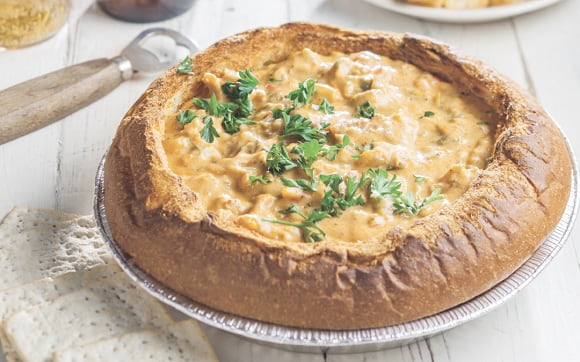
[324, 106]
[302, 127]
[407, 203]
[185, 66]
[303, 95]
[331, 152]
[312, 233]
[209, 133]
[366, 110]
[278, 160]
[264, 180]
[185, 117]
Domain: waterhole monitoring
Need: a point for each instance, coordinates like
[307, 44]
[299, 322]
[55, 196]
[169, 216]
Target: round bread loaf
[442, 260]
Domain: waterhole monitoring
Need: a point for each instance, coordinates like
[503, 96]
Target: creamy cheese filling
[424, 131]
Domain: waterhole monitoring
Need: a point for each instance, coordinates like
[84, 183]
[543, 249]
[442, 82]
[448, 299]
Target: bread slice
[103, 309]
[23, 218]
[25, 296]
[181, 341]
[29, 253]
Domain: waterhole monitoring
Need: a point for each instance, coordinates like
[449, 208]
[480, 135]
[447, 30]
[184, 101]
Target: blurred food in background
[144, 11]
[25, 22]
[461, 4]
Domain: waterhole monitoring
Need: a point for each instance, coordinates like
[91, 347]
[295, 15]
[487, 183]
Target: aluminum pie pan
[347, 341]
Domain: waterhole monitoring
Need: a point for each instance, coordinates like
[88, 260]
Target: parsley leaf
[407, 204]
[308, 150]
[333, 200]
[209, 133]
[231, 124]
[278, 113]
[186, 116]
[324, 106]
[366, 147]
[312, 233]
[308, 153]
[278, 160]
[427, 114]
[213, 107]
[261, 179]
[382, 186]
[366, 110]
[240, 90]
[300, 183]
[361, 149]
[332, 151]
[351, 187]
[298, 125]
[333, 181]
[304, 93]
[185, 66]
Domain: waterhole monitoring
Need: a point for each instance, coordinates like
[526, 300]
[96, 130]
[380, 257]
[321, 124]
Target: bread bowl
[431, 264]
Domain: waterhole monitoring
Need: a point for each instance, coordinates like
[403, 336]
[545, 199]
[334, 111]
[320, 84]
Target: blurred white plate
[463, 16]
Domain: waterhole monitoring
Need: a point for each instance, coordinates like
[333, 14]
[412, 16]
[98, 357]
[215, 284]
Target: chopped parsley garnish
[366, 147]
[361, 149]
[408, 204]
[239, 91]
[352, 185]
[333, 200]
[312, 233]
[278, 160]
[185, 117]
[231, 124]
[382, 186]
[300, 183]
[332, 151]
[209, 133]
[324, 106]
[366, 110]
[298, 125]
[333, 181]
[419, 178]
[483, 123]
[304, 93]
[272, 80]
[278, 113]
[243, 87]
[427, 114]
[185, 66]
[261, 179]
[213, 107]
[234, 113]
[307, 153]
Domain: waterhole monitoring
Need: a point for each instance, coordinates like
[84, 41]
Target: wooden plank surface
[55, 167]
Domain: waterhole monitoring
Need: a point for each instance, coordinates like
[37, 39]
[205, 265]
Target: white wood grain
[55, 167]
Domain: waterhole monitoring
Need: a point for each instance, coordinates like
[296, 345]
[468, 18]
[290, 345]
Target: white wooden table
[55, 167]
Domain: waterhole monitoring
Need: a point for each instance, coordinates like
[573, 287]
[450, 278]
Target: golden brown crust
[444, 259]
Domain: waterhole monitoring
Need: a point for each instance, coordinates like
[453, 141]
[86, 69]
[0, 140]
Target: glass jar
[144, 11]
[26, 22]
